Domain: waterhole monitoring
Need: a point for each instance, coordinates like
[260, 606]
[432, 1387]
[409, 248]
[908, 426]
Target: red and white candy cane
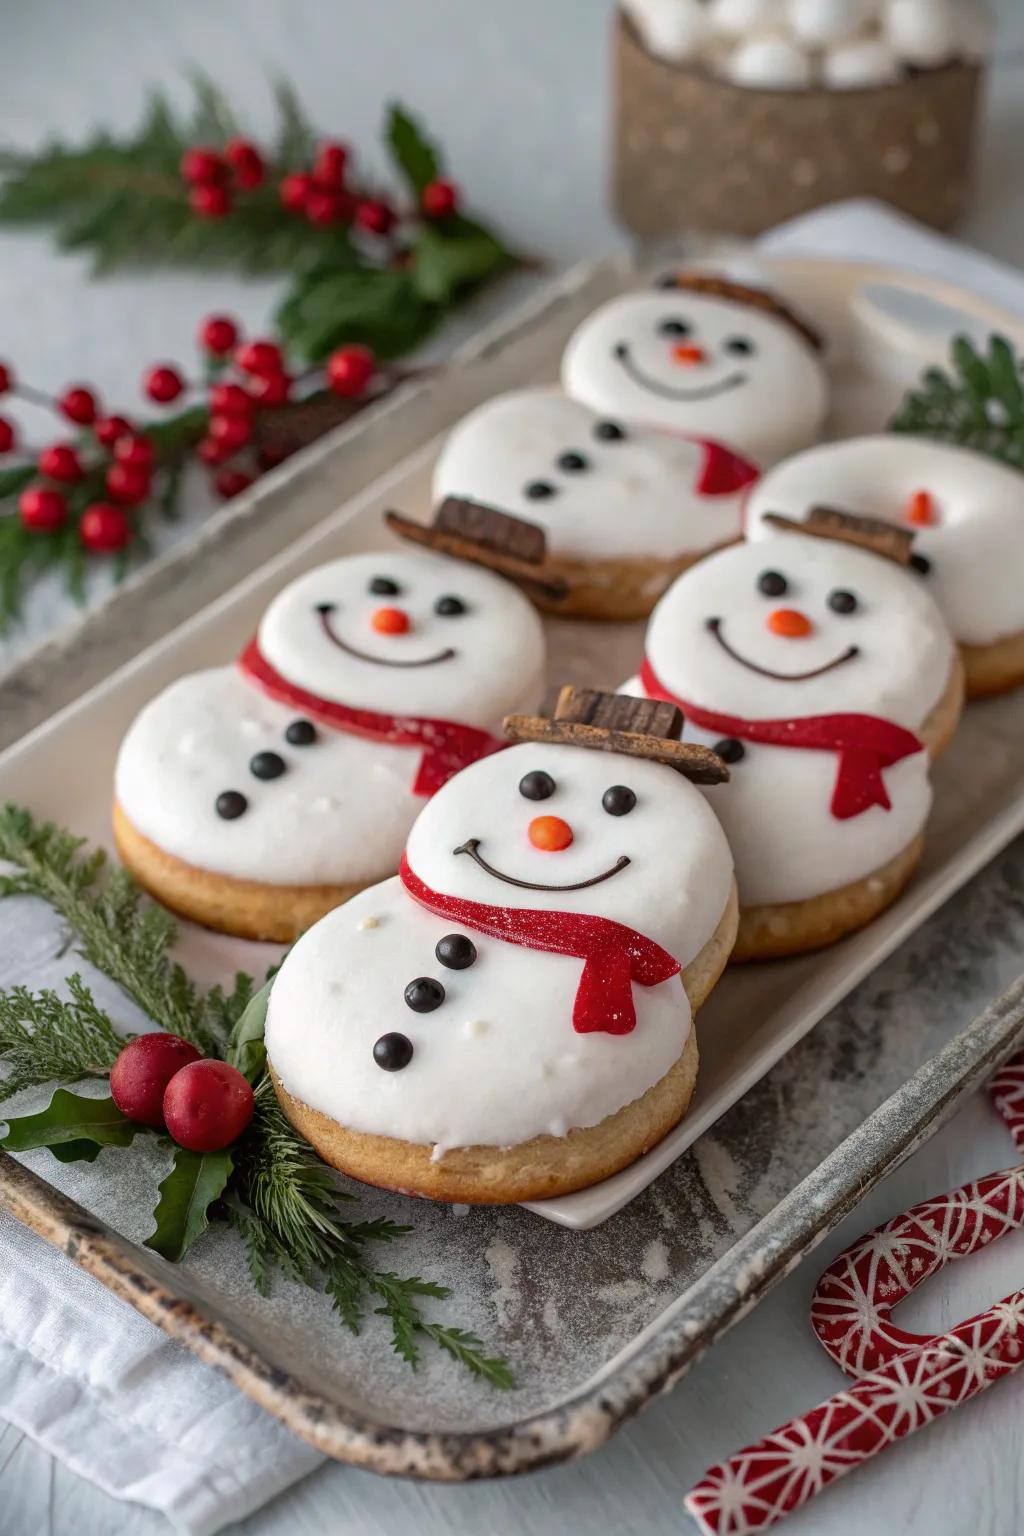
[904, 1380]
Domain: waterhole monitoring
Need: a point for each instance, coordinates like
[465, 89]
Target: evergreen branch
[49, 1039]
[978, 403]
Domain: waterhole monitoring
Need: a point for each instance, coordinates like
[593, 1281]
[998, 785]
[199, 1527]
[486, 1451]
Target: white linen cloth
[97, 1385]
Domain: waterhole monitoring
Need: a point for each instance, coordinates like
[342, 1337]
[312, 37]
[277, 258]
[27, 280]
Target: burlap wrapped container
[695, 153]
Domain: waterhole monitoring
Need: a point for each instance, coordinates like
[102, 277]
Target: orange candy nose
[550, 833]
[389, 621]
[789, 622]
[688, 355]
[921, 509]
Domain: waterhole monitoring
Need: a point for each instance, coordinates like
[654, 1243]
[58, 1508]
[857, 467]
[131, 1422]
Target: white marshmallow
[744, 18]
[854, 66]
[769, 63]
[824, 23]
[674, 30]
[922, 32]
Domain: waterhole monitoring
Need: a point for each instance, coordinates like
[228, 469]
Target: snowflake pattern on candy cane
[905, 1380]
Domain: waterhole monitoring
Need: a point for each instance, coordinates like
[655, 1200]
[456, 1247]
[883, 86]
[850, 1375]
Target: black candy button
[266, 765]
[301, 733]
[609, 432]
[424, 994]
[449, 607]
[619, 800]
[230, 804]
[393, 1051]
[572, 462]
[739, 346]
[772, 583]
[383, 586]
[539, 490]
[729, 749]
[674, 328]
[841, 601]
[455, 951]
[921, 564]
[537, 785]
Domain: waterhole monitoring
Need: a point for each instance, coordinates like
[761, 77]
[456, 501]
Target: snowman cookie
[254, 798]
[966, 513]
[623, 509]
[705, 356]
[511, 1018]
[822, 672]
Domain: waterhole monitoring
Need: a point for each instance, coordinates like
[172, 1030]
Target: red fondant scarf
[722, 472]
[863, 744]
[446, 746]
[613, 955]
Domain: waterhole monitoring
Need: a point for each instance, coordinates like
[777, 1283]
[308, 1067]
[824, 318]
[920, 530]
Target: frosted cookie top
[600, 489]
[405, 632]
[730, 363]
[794, 626]
[965, 511]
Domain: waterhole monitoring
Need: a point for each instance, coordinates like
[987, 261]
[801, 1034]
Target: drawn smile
[715, 626]
[326, 609]
[655, 387]
[472, 847]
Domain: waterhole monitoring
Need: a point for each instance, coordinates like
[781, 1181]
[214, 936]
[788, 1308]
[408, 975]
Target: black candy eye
[537, 785]
[456, 951]
[674, 328]
[729, 749]
[301, 733]
[619, 800]
[266, 765]
[841, 601]
[383, 586]
[772, 583]
[921, 564]
[393, 1051]
[539, 490]
[449, 607]
[572, 462]
[739, 346]
[230, 805]
[424, 994]
[609, 432]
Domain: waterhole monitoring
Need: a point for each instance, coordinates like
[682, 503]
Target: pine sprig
[49, 1039]
[977, 403]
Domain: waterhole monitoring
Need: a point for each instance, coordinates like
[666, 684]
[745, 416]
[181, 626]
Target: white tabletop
[517, 95]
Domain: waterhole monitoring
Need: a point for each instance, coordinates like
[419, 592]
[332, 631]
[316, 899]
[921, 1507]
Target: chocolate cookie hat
[468, 530]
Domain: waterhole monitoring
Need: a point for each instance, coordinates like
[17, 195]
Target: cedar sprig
[978, 402]
[45, 1038]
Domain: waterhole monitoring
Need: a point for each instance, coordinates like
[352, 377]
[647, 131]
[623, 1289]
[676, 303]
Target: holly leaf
[71, 1123]
[449, 258]
[182, 1213]
[329, 306]
[246, 1049]
[414, 154]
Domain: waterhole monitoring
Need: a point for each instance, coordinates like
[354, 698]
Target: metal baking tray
[594, 1321]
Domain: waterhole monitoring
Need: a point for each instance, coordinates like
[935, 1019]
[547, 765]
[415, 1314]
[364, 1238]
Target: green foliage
[330, 305]
[195, 1181]
[246, 1050]
[412, 151]
[978, 403]
[77, 1125]
[47, 1039]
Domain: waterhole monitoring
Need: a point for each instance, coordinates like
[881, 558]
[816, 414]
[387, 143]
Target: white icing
[777, 405]
[498, 641]
[499, 1062]
[924, 33]
[857, 65]
[776, 808]
[975, 547]
[670, 29]
[769, 63]
[635, 498]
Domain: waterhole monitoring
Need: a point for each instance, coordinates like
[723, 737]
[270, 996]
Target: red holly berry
[374, 216]
[202, 167]
[163, 384]
[212, 451]
[293, 191]
[41, 508]
[230, 400]
[270, 388]
[330, 163]
[439, 199]
[246, 162]
[136, 450]
[235, 431]
[218, 334]
[78, 404]
[6, 378]
[104, 528]
[139, 1076]
[210, 201]
[60, 462]
[128, 483]
[207, 1105]
[350, 369]
[259, 357]
[230, 482]
[326, 205]
[110, 428]
[8, 436]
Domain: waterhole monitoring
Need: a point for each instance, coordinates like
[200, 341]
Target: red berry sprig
[162, 1081]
